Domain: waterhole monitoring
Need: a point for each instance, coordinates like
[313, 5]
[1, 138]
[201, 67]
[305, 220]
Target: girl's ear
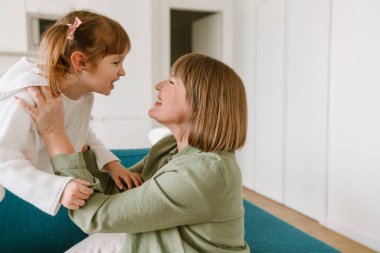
[78, 61]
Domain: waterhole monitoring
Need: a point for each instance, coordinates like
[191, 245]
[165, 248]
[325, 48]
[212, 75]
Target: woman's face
[171, 108]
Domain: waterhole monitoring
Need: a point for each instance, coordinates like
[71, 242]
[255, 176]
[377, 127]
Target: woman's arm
[50, 124]
[49, 117]
[107, 161]
[169, 199]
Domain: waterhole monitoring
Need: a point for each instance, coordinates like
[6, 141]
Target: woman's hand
[119, 173]
[48, 112]
[75, 194]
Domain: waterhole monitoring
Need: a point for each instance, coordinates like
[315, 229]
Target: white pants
[98, 243]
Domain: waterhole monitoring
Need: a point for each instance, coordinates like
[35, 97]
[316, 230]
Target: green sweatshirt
[191, 201]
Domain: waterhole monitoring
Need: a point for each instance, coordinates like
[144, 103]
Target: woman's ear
[78, 61]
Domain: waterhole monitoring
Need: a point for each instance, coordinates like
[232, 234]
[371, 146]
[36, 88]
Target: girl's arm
[19, 147]
[108, 162]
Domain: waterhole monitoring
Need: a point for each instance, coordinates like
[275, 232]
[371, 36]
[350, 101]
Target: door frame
[161, 30]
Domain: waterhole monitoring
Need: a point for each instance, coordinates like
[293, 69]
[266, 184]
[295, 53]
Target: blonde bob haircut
[97, 37]
[217, 100]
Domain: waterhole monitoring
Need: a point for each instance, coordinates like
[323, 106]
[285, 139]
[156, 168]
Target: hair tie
[73, 28]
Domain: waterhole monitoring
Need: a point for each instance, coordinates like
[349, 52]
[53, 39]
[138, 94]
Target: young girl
[82, 53]
[191, 200]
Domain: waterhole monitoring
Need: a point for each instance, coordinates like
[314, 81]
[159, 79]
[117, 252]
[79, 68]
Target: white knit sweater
[25, 167]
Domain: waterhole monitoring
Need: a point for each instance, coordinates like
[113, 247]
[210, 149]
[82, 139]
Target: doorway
[211, 33]
[195, 31]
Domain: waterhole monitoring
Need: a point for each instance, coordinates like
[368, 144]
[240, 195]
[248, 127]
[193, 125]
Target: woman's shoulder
[210, 159]
[164, 145]
[216, 167]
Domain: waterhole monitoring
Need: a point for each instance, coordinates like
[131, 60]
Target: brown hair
[217, 101]
[97, 37]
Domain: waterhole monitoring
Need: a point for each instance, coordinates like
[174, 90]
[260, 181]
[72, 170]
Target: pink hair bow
[73, 28]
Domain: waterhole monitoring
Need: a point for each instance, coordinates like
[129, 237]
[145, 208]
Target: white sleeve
[103, 155]
[17, 174]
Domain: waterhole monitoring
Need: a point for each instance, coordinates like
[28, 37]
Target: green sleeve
[106, 181]
[74, 165]
[107, 184]
[167, 200]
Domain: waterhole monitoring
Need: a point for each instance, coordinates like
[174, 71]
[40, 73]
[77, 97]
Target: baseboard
[364, 238]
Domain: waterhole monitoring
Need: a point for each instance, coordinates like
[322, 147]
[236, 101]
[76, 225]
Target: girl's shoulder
[21, 75]
[8, 97]
[24, 95]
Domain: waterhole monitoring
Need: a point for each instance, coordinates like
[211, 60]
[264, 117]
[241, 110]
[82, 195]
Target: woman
[191, 200]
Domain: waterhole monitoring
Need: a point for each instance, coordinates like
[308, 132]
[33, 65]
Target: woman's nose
[158, 86]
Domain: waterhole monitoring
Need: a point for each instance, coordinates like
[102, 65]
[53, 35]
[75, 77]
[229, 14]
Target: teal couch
[26, 229]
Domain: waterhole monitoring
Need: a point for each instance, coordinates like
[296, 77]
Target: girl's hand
[75, 194]
[119, 173]
[48, 112]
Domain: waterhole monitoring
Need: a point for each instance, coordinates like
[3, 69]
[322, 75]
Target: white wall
[125, 111]
[354, 133]
[16, 34]
[13, 20]
[14, 42]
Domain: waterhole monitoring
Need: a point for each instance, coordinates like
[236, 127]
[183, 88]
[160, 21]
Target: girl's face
[171, 108]
[101, 78]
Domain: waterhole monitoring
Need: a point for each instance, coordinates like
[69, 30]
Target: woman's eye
[116, 63]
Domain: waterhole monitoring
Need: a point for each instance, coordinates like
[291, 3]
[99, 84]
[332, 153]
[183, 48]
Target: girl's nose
[121, 71]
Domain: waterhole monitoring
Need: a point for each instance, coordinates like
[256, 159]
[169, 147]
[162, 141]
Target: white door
[207, 36]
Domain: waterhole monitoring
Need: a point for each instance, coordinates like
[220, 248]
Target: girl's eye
[171, 82]
[116, 63]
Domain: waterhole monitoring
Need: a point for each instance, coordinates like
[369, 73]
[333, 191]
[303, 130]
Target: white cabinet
[268, 99]
[316, 109]
[306, 79]
[291, 94]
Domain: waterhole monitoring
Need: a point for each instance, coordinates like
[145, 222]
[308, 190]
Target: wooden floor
[306, 224]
